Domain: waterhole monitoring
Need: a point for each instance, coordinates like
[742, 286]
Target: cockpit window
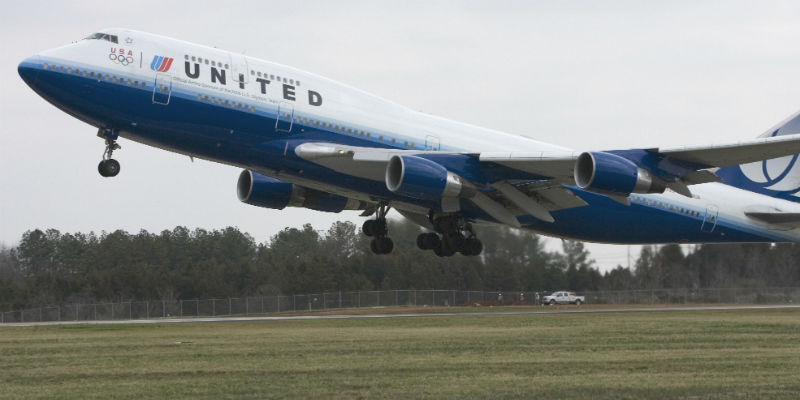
[103, 36]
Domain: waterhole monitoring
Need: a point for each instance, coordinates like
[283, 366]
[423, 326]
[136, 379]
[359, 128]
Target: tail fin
[778, 177]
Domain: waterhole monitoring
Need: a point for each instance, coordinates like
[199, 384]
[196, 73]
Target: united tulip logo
[161, 64]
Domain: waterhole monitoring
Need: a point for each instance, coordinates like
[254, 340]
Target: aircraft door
[710, 220]
[432, 143]
[162, 89]
[283, 122]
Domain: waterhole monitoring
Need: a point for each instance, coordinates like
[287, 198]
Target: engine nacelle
[609, 173]
[424, 179]
[262, 191]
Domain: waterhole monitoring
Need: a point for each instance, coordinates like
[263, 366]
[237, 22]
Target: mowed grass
[722, 354]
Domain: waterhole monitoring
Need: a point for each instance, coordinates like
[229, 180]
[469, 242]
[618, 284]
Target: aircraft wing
[738, 153]
[536, 183]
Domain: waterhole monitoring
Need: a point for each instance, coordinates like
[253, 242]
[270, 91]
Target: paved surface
[543, 311]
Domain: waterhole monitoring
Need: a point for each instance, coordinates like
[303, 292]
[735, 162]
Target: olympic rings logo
[120, 59]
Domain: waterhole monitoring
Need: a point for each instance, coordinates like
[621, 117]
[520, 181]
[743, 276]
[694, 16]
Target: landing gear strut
[109, 167]
[378, 229]
[452, 235]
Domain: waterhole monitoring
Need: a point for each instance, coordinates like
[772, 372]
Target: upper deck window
[103, 36]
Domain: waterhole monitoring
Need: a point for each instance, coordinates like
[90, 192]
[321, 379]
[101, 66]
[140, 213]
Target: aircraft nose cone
[29, 70]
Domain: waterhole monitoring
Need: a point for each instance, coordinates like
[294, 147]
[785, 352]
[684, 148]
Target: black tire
[369, 227]
[385, 245]
[421, 241]
[552, 302]
[578, 302]
[101, 169]
[472, 247]
[108, 168]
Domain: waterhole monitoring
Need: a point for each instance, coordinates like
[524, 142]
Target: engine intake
[609, 173]
[424, 179]
[262, 191]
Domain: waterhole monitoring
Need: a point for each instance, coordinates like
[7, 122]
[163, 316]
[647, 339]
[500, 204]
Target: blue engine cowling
[262, 191]
[609, 173]
[424, 179]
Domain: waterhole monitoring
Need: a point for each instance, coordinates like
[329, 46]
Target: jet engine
[424, 179]
[609, 173]
[262, 191]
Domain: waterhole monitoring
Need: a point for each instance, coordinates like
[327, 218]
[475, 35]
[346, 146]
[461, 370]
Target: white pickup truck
[563, 297]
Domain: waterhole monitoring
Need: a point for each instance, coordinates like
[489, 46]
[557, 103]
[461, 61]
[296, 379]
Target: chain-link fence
[259, 305]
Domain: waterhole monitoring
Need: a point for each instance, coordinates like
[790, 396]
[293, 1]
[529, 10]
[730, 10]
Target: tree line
[49, 267]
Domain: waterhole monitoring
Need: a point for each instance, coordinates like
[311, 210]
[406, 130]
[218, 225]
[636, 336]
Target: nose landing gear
[109, 167]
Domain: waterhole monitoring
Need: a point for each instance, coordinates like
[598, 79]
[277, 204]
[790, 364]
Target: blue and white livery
[307, 141]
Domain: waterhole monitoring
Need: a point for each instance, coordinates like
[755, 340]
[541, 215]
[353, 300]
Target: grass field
[723, 354]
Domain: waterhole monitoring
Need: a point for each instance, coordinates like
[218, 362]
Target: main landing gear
[378, 230]
[109, 167]
[452, 235]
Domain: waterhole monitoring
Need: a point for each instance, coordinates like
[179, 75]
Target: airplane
[303, 140]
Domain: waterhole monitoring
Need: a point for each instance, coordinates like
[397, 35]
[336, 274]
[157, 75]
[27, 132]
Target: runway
[543, 311]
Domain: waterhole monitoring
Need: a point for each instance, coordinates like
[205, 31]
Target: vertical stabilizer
[778, 177]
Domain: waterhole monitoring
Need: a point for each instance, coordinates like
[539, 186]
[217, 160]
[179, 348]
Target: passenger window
[194, 59]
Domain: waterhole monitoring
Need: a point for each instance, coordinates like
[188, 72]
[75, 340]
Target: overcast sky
[587, 75]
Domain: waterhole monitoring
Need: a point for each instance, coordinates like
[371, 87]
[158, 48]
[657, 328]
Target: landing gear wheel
[378, 229]
[108, 168]
[381, 245]
[472, 247]
[428, 241]
[369, 228]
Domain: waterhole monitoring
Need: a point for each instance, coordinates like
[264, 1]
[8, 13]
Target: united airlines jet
[307, 141]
